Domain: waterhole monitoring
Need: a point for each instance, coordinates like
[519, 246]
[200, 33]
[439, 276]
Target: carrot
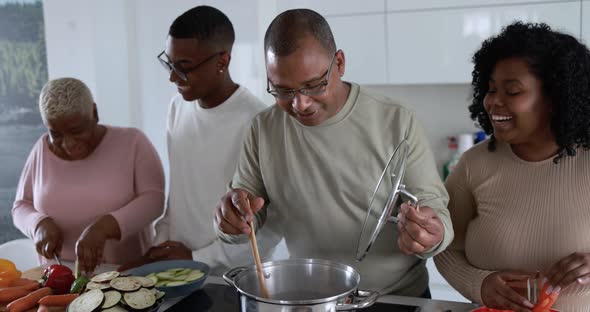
[11, 294]
[29, 301]
[57, 300]
[22, 282]
[545, 300]
[29, 287]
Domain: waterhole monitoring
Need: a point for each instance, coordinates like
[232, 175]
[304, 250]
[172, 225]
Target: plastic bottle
[460, 145]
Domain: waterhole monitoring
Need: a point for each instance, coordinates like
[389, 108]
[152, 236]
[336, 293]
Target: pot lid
[384, 199]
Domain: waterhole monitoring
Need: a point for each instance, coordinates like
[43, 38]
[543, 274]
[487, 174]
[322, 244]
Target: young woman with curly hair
[520, 201]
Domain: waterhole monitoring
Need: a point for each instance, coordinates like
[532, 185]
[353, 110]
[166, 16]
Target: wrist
[109, 226]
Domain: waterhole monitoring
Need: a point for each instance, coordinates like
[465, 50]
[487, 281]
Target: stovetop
[223, 298]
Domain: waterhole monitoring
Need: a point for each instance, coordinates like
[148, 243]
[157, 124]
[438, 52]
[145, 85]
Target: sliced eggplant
[194, 275]
[87, 302]
[115, 309]
[145, 282]
[101, 286]
[153, 278]
[125, 283]
[141, 299]
[160, 294]
[111, 298]
[105, 277]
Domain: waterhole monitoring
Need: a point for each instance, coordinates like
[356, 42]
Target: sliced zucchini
[162, 283]
[175, 283]
[87, 302]
[111, 298]
[105, 277]
[183, 272]
[150, 275]
[145, 282]
[115, 309]
[125, 283]
[194, 275]
[180, 278]
[141, 299]
[101, 286]
[165, 275]
[175, 270]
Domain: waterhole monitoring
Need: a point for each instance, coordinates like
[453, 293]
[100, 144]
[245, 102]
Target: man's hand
[235, 209]
[90, 245]
[496, 292]
[169, 250]
[420, 229]
[48, 238]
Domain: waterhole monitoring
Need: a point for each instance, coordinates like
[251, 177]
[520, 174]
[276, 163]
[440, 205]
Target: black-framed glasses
[315, 90]
[183, 72]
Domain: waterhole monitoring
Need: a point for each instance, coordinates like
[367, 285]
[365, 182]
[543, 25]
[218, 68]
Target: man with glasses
[206, 124]
[315, 158]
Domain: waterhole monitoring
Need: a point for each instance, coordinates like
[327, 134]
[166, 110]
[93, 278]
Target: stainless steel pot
[302, 285]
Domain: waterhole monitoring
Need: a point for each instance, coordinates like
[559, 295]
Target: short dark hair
[559, 61]
[288, 28]
[204, 23]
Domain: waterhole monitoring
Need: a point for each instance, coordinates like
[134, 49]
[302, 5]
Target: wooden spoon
[256, 255]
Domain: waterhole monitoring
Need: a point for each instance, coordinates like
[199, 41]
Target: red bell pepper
[59, 278]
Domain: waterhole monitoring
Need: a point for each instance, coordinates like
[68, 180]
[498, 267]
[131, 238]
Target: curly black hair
[559, 61]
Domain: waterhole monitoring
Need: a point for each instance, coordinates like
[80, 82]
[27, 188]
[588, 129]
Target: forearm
[464, 277]
[109, 225]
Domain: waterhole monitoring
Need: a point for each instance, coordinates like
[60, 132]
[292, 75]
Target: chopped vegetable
[175, 277]
[87, 302]
[111, 298]
[8, 273]
[140, 299]
[93, 285]
[105, 277]
[546, 300]
[125, 283]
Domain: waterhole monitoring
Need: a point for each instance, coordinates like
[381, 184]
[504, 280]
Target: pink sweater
[122, 177]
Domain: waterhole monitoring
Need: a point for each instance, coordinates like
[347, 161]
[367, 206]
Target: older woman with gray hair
[88, 191]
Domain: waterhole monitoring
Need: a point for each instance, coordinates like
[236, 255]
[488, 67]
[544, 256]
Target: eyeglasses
[183, 72]
[315, 90]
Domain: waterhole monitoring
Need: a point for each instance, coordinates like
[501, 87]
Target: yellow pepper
[8, 273]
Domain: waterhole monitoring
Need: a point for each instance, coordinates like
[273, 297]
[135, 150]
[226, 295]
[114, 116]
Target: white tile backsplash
[442, 110]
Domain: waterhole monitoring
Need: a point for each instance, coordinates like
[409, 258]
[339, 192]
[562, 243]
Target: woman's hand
[90, 245]
[497, 294]
[573, 269]
[48, 238]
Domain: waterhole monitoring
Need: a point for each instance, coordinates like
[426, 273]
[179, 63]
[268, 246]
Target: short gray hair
[64, 97]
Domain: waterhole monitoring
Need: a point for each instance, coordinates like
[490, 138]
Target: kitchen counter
[426, 305]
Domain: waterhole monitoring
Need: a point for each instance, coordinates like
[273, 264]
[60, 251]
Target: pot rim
[240, 272]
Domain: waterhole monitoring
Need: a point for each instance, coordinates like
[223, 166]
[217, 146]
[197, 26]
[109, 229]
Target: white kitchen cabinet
[334, 7]
[362, 38]
[585, 36]
[399, 5]
[436, 46]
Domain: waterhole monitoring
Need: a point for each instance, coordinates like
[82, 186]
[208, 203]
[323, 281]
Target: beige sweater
[510, 214]
[319, 181]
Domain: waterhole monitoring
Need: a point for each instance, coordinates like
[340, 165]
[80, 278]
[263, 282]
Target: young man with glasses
[206, 125]
[315, 158]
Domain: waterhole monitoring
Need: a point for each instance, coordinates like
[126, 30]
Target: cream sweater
[511, 214]
[319, 180]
